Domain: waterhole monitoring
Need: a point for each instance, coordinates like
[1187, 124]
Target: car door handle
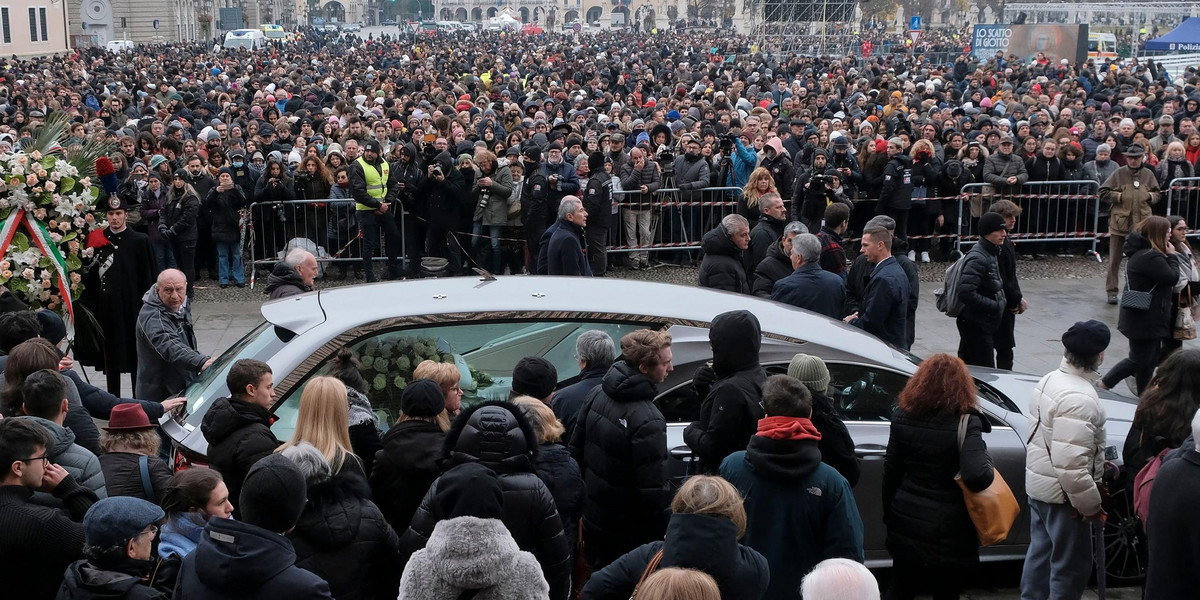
[865, 450]
[681, 453]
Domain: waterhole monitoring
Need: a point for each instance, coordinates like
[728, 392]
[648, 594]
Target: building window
[123, 25]
[37, 26]
[5, 24]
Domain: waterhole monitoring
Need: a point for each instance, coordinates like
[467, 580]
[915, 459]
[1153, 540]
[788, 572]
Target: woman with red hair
[929, 532]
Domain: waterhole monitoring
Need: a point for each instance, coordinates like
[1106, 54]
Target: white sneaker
[912, 255]
[924, 257]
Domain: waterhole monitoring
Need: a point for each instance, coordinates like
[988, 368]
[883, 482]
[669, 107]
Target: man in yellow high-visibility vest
[374, 195]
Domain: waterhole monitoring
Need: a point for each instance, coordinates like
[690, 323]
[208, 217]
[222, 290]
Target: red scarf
[788, 428]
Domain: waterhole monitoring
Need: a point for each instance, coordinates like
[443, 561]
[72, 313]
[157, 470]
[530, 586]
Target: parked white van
[250, 39]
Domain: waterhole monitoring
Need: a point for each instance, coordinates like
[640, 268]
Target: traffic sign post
[914, 22]
[914, 34]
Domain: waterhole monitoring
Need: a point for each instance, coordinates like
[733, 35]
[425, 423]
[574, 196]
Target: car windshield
[261, 342]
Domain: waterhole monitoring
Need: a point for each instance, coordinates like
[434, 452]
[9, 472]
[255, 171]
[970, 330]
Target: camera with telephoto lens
[485, 194]
[726, 143]
[818, 180]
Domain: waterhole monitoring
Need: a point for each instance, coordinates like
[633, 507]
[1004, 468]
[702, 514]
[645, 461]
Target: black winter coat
[765, 234]
[1148, 270]
[775, 266]
[560, 473]
[343, 538]
[896, 191]
[179, 218]
[85, 581]
[923, 507]
[239, 561]
[568, 401]
[239, 435]
[836, 445]
[499, 438]
[123, 475]
[405, 467]
[1173, 530]
[222, 208]
[980, 288]
[693, 541]
[620, 443]
[721, 268]
[730, 412]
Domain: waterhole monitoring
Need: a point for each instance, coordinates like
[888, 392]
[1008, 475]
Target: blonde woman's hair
[547, 426]
[445, 375]
[921, 144]
[324, 421]
[750, 192]
[675, 583]
[711, 495]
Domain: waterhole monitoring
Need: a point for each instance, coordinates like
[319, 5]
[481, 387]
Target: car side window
[484, 353]
[680, 404]
[864, 393]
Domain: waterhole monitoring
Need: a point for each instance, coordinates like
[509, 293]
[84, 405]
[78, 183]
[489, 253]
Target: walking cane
[1098, 554]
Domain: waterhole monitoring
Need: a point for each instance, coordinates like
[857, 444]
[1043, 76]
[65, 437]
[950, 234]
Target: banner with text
[1056, 42]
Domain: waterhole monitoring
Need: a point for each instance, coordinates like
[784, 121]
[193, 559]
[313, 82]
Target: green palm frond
[83, 157]
[50, 135]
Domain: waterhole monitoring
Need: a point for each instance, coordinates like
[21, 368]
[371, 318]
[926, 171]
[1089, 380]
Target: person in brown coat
[1130, 190]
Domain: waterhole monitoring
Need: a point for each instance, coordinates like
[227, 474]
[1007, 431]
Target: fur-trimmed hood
[468, 553]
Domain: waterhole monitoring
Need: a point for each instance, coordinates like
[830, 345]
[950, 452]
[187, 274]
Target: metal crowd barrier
[1052, 211]
[672, 219]
[1183, 199]
[330, 224]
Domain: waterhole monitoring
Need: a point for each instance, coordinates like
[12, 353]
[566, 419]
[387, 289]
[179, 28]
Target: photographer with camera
[813, 192]
[373, 192]
[846, 165]
[491, 192]
[443, 190]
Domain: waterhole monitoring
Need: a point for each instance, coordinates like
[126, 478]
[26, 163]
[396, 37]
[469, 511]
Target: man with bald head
[166, 343]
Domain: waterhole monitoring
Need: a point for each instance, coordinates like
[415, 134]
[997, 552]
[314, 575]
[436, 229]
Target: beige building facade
[33, 27]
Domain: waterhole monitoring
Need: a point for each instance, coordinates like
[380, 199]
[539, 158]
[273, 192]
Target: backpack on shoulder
[946, 298]
[1143, 483]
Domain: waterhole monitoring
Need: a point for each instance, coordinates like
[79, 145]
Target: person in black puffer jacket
[222, 204]
[620, 443]
[981, 292]
[496, 436]
[778, 262]
[895, 195]
[342, 536]
[707, 521]
[1151, 269]
[238, 428]
[929, 531]
[554, 464]
[721, 268]
[411, 457]
[730, 412]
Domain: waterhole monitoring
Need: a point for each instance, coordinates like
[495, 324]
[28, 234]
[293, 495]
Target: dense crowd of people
[529, 154]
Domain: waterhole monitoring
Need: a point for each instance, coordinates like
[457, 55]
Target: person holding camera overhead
[374, 195]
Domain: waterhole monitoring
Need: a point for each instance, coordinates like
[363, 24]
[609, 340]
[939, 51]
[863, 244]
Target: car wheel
[1124, 541]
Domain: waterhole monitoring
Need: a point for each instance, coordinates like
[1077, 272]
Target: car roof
[358, 305]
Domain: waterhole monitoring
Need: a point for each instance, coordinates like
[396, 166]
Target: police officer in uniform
[374, 196]
[123, 267]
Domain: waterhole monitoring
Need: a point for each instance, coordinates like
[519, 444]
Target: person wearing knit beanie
[837, 448]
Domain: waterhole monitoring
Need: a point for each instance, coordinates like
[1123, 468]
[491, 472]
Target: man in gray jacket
[166, 344]
[639, 176]
[1004, 170]
[44, 401]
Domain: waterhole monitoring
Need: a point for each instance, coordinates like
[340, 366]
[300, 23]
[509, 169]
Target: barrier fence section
[1183, 199]
[329, 224]
[1052, 212]
[669, 219]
